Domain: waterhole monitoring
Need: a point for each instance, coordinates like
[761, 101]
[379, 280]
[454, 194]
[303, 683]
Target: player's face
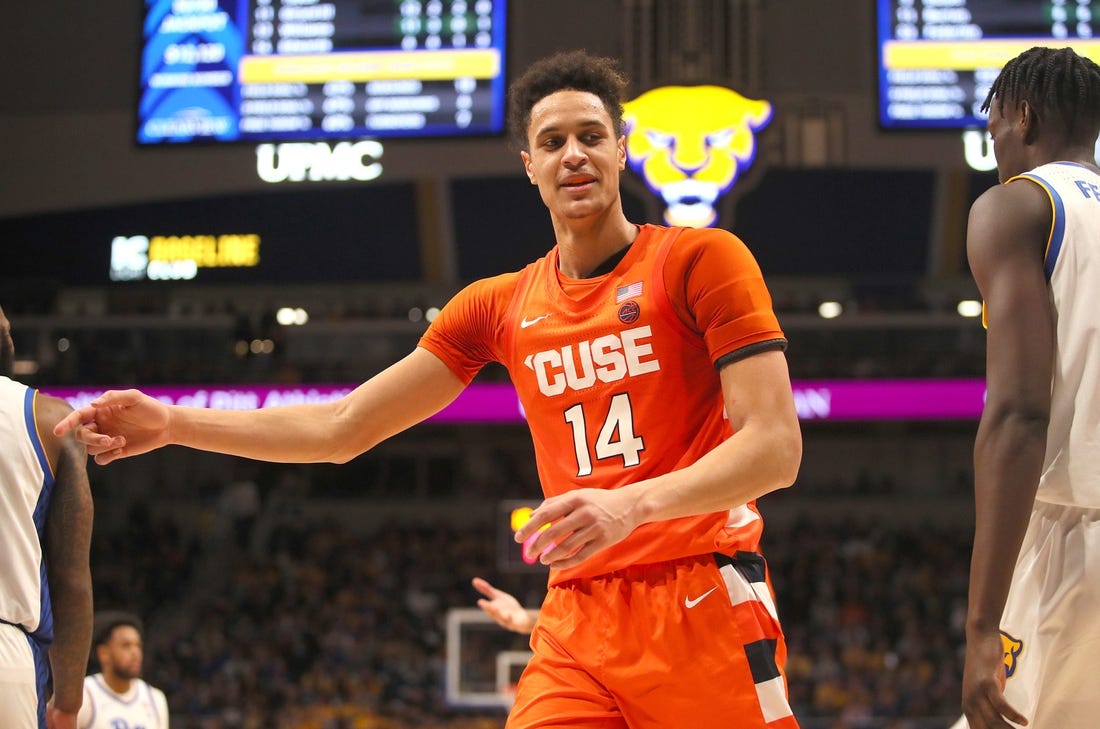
[574, 155]
[1007, 131]
[7, 346]
[122, 654]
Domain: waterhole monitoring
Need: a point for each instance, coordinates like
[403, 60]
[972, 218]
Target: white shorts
[19, 680]
[1051, 621]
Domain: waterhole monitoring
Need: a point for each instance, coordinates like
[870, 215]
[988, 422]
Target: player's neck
[118, 684]
[1082, 154]
[585, 244]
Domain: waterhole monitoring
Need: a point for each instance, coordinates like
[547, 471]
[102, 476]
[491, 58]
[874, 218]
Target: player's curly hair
[568, 70]
[1056, 83]
[105, 622]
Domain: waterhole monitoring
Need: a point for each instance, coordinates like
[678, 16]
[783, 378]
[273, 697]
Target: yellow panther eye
[720, 139]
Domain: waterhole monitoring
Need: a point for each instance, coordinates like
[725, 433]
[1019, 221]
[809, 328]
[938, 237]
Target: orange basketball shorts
[689, 643]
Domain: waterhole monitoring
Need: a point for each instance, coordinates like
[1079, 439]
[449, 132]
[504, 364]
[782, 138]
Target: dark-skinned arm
[1007, 235]
[68, 541]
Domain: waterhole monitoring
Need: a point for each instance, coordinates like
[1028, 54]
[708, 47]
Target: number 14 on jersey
[616, 437]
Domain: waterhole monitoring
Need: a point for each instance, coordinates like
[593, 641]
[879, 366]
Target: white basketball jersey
[1071, 471]
[142, 707]
[25, 485]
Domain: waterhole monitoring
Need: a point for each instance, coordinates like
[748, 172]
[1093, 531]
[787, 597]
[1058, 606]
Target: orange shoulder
[716, 287]
[467, 333]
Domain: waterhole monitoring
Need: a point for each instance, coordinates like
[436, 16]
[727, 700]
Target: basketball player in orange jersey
[651, 369]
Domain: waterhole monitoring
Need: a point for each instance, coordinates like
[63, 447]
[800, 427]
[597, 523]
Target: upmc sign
[317, 161]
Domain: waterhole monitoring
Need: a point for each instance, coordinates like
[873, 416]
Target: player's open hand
[983, 697]
[502, 607]
[575, 525]
[118, 424]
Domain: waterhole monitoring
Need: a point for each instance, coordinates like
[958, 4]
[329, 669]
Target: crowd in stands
[873, 615]
[310, 625]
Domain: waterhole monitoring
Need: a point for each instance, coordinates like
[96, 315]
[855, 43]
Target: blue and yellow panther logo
[1013, 649]
[690, 143]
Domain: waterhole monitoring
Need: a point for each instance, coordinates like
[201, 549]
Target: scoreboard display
[938, 58]
[285, 70]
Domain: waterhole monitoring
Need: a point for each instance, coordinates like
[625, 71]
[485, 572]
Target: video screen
[294, 70]
[938, 58]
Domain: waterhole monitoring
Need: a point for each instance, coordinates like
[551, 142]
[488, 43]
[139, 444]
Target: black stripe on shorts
[750, 564]
[761, 655]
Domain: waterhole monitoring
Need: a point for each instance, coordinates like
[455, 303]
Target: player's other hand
[571, 527]
[983, 697]
[119, 424]
[502, 607]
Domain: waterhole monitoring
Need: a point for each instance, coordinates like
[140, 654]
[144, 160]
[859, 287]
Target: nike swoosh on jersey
[689, 603]
[528, 322]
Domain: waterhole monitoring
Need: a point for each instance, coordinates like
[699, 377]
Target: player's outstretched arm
[127, 423]
[504, 608]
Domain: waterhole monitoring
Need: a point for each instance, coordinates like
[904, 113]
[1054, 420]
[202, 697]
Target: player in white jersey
[1033, 624]
[117, 697]
[45, 533]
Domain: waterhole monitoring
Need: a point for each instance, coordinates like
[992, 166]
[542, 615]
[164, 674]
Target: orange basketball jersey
[616, 374]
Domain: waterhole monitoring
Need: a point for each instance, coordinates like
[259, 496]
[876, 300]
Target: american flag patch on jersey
[628, 292]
